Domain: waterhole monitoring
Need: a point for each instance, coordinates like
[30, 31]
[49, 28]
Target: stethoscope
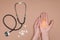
[16, 19]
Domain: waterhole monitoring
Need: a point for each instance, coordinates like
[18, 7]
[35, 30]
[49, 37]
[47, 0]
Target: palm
[45, 25]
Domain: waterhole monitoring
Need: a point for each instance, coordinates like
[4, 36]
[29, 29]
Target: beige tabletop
[34, 9]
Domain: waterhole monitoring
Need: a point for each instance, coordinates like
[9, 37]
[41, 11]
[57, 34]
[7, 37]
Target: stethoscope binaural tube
[16, 19]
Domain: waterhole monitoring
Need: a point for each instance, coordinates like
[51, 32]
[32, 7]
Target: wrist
[45, 36]
[36, 36]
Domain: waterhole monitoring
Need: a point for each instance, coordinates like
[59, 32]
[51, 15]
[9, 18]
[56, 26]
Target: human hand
[45, 24]
[37, 32]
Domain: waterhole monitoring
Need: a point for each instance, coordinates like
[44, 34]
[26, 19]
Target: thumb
[50, 24]
[36, 23]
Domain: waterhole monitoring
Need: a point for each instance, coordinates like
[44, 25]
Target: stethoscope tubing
[16, 19]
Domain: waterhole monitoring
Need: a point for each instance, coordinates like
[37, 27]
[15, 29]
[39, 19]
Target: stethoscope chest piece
[7, 33]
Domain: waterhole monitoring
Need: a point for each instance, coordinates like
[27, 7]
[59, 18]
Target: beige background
[34, 8]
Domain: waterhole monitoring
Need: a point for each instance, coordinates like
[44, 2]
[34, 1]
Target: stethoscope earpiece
[20, 3]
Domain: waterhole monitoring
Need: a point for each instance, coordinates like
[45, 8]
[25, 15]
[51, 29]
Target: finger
[44, 16]
[36, 23]
[51, 23]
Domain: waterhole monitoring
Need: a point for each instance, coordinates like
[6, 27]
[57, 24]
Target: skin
[37, 31]
[42, 26]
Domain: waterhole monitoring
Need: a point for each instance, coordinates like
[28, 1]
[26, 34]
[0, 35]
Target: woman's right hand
[36, 35]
